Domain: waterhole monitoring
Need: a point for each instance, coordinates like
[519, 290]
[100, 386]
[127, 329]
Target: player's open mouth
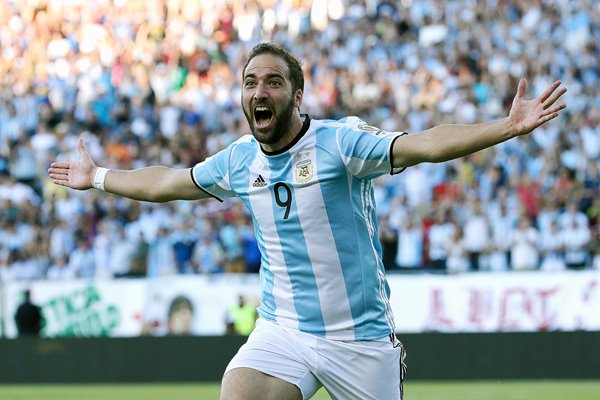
[262, 116]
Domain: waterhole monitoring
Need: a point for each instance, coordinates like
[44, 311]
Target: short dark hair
[295, 70]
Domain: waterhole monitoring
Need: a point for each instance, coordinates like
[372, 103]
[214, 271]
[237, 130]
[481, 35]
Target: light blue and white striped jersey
[314, 219]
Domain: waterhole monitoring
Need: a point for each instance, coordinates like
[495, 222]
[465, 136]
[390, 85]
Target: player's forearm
[154, 184]
[452, 141]
[447, 142]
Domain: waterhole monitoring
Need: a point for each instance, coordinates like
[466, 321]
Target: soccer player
[324, 313]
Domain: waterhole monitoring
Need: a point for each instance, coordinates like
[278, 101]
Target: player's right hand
[75, 174]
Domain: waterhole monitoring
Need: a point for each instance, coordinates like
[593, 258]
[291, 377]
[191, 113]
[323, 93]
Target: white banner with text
[198, 305]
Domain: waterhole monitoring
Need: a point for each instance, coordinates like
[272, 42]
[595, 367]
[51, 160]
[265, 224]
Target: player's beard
[282, 124]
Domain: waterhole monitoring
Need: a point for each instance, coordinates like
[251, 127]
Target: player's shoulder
[350, 127]
[239, 149]
[245, 140]
[245, 143]
[349, 122]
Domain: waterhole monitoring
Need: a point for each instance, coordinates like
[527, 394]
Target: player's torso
[311, 225]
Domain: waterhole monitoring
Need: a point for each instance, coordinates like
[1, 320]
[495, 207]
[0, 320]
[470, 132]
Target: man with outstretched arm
[324, 313]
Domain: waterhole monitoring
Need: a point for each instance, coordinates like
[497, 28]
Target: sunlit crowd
[158, 82]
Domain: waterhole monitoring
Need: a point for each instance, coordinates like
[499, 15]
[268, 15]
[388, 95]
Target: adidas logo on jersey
[259, 182]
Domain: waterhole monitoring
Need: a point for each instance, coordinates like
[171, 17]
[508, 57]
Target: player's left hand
[526, 115]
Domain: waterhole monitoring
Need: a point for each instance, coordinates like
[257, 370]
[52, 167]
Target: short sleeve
[212, 175]
[365, 149]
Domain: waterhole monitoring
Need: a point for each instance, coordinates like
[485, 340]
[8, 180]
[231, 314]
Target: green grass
[509, 390]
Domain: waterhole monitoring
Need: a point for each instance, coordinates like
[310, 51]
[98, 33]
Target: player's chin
[265, 136]
[265, 133]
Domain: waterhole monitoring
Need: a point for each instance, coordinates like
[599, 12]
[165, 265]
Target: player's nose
[261, 91]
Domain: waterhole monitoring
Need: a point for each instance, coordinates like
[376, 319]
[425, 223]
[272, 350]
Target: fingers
[554, 109]
[547, 118]
[61, 182]
[58, 171]
[84, 155]
[552, 99]
[80, 146]
[522, 87]
[60, 165]
[58, 174]
[550, 114]
[548, 92]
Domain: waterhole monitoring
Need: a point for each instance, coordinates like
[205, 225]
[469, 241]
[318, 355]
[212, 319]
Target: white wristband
[100, 177]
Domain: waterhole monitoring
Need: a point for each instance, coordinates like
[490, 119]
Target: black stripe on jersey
[200, 187]
[392, 155]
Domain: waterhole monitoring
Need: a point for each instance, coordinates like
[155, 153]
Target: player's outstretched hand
[526, 115]
[75, 174]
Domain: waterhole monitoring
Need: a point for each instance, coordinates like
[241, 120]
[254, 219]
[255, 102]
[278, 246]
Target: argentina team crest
[303, 169]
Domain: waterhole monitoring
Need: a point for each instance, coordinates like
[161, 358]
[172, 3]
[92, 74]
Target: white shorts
[349, 370]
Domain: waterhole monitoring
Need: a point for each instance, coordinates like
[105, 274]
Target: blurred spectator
[502, 224]
[389, 242]
[572, 217]
[551, 248]
[7, 258]
[440, 234]
[184, 239]
[29, 317]
[62, 241]
[82, 259]
[529, 192]
[252, 256]
[139, 261]
[208, 256]
[161, 256]
[458, 260]
[524, 250]
[102, 247]
[122, 251]
[241, 317]
[477, 235]
[230, 235]
[21, 266]
[17, 192]
[410, 244]
[548, 214]
[37, 253]
[576, 240]
[60, 269]
[418, 191]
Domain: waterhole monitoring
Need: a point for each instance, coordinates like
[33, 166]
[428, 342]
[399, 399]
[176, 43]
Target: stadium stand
[159, 82]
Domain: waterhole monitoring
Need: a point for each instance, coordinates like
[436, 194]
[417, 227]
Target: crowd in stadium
[158, 82]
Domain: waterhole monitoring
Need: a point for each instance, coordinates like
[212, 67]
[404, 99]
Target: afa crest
[303, 171]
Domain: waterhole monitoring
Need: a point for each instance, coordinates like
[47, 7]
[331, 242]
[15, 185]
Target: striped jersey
[314, 218]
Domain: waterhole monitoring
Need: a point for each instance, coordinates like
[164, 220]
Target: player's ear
[298, 98]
